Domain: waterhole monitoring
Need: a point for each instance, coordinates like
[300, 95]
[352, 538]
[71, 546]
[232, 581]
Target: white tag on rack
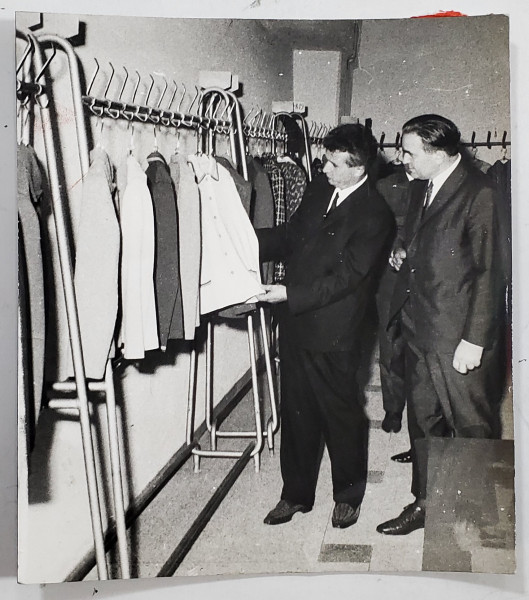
[218, 79]
[288, 106]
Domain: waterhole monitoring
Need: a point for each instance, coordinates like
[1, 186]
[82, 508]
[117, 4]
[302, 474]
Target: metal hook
[136, 88]
[397, 140]
[124, 84]
[46, 63]
[180, 102]
[248, 116]
[194, 100]
[93, 78]
[381, 143]
[504, 141]
[29, 48]
[488, 140]
[173, 96]
[96, 110]
[163, 93]
[226, 107]
[473, 140]
[150, 89]
[110, 80]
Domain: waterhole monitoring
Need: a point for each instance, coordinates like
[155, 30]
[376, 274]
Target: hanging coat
[230, 251]
[31, 278]
[167, 270]
[139, 325]
[190, 240]
[97, 266]
[263, 208]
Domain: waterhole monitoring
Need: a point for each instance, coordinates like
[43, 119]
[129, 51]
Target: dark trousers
[320, 404]
[391, 350]
[444, 403]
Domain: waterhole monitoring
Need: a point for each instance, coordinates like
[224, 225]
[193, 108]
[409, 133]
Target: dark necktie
[334, 200]
[427, 199]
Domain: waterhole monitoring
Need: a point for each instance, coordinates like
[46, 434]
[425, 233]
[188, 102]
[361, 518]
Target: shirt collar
[342, 194]
[438, 180]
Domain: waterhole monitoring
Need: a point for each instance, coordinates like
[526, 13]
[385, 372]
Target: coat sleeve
[486, 284]
[359, 258]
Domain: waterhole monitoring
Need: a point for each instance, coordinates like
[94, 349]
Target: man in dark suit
[333, 246]
[447, 299]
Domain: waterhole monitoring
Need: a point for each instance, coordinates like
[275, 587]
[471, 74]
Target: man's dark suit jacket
[332, 262]
[451, 275]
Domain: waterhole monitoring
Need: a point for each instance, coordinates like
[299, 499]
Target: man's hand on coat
[273, 294]
[467, 357]
[397, 258]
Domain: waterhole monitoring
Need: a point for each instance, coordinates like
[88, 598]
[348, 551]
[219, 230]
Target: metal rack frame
[80, 386]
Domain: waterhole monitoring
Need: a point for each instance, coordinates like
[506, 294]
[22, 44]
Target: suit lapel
[448, 189]
[450, 186]
[344, 207]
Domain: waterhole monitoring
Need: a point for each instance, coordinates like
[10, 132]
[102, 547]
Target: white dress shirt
[438, 180]
[342, 194]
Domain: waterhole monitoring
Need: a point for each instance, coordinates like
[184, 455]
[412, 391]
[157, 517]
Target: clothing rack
[80, 386]
[209, 98]
[306, 138]
[472, 144]
[212, 101]
[261, 126]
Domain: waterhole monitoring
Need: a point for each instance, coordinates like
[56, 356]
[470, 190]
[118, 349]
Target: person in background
[394, 189]
[333, 248]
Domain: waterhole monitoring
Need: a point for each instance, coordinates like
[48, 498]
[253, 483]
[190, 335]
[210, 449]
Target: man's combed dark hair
[355, 139]
[436, 132]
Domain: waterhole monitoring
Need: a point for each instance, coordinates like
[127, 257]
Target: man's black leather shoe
[392, 422]
[344, 515]
[284, 511]
[410, 519]
[403, 457]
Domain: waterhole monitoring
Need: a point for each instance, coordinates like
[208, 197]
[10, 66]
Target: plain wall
[317, 83]
[455, 67]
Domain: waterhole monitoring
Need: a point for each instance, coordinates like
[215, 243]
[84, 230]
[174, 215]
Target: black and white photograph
[265, 296]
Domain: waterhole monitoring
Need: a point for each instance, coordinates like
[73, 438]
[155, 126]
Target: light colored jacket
[230, 250]
[139, 324]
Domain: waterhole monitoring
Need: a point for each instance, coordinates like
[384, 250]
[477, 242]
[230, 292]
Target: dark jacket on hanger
[244, 188]
[332, 262]
[166, 270]
[263, 208]
[500, 173]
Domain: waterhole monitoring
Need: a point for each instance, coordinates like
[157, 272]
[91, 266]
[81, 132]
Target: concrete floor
[235, 540]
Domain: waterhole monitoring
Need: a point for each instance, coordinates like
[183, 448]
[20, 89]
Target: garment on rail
[97, 266]
[168, 291]
[139, 330]
[31, 281]
[230, 271]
